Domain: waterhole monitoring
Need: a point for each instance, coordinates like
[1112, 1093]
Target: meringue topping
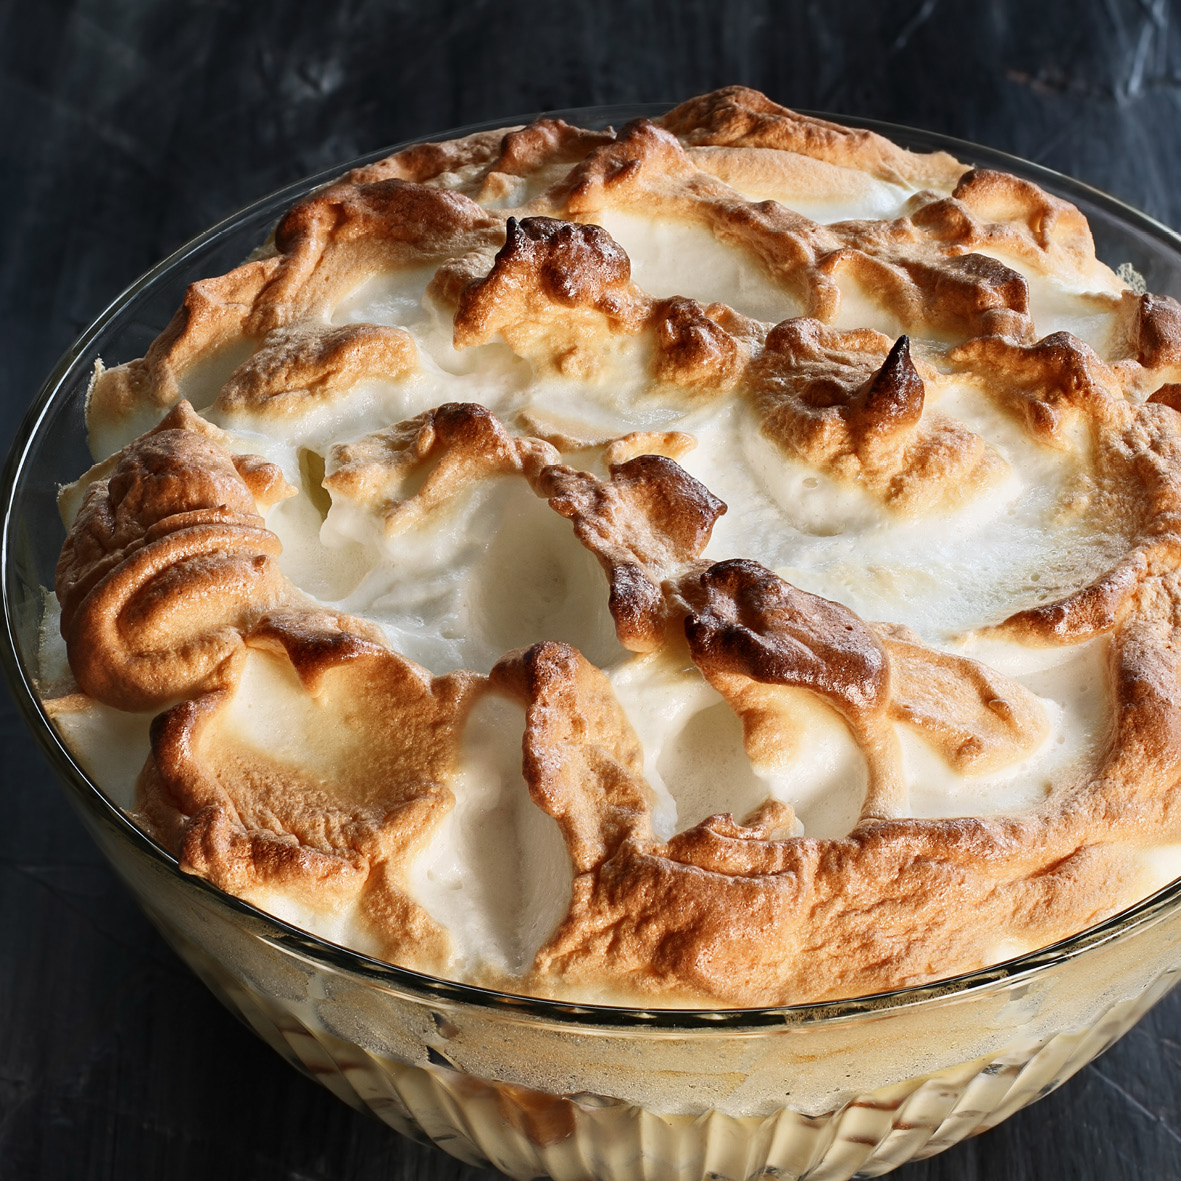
[731, 560]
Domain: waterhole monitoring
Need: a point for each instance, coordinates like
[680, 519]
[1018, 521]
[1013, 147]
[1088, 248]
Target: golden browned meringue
[731, 560]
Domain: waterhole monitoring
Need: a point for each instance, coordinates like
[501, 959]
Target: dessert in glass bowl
[639, 649]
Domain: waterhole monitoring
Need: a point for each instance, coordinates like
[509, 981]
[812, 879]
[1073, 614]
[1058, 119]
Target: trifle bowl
[541, 1085]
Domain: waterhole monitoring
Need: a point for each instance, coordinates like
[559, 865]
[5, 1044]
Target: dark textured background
[127, 127]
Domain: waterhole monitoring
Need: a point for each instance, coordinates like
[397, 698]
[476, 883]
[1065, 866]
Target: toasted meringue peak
[739, 116]
[451, 446]
[831, 398]
[551, 282]
[644, 523]
[330, 814]
[294, 364]
[165, 564]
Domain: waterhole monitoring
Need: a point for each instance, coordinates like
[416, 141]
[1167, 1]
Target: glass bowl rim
[97, 808]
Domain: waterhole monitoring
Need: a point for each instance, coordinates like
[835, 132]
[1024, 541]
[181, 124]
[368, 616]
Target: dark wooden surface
[126, 127]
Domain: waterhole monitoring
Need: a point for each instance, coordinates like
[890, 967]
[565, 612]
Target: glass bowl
[537, 1087]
